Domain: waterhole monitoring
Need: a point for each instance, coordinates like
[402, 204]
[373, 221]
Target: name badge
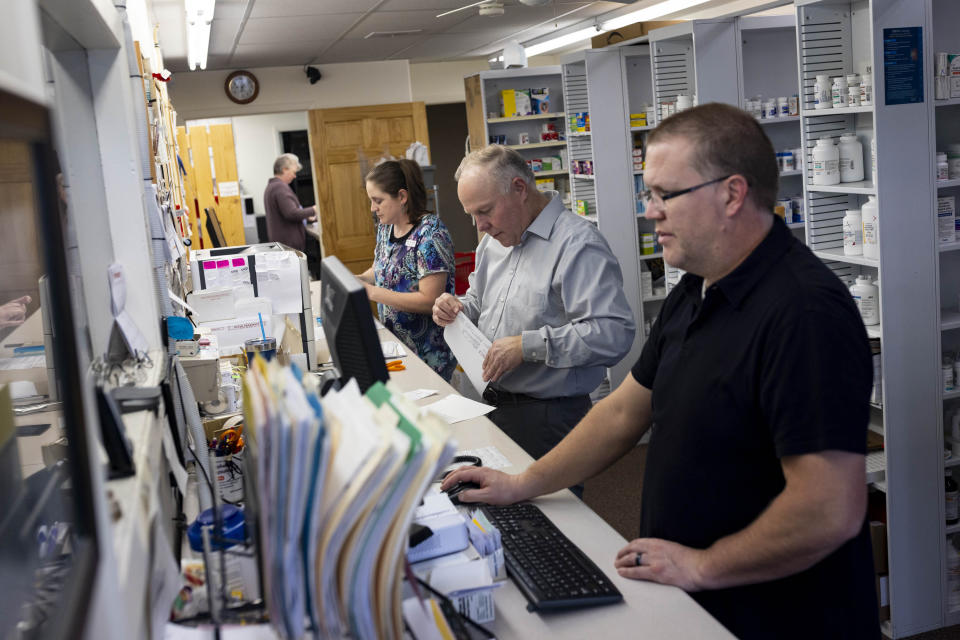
[410, 243]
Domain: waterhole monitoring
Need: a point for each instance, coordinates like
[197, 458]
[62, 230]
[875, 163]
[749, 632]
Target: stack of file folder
[334, 482]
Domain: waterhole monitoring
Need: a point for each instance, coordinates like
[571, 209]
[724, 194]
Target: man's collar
[738, 283]
[542, 225]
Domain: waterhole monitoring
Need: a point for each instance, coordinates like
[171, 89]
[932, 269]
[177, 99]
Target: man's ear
[735, 192]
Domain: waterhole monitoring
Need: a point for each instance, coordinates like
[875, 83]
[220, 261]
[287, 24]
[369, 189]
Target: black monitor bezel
[27, 121]
[337, 277]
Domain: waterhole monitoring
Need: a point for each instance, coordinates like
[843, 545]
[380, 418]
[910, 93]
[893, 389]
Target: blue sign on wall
[903, 65]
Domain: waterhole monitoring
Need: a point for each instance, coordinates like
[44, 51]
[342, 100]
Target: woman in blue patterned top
[413, 261]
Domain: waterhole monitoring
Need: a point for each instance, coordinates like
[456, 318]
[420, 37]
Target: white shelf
[584, 176]
[952, 461]
[536, 116]
[873, 331]
[646, 128]
[795, 225]
[864, 187]
[539, 145]
[949, 319]
[638, 173]
[953, 528]
[654, 256]
[946, 184]
[641, 215]
[791, 172]
[949, 246]
[876, 466]
[578, 134]
[837, 254]
[808, 113]
[950, 395]
[778, 120]
[946, 103]
[655, 297]
[545, 174]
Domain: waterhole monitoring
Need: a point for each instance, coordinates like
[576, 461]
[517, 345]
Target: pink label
[222, 263]
[210, 264]
[239, 262]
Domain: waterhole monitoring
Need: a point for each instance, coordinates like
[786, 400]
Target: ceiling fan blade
[446, 13]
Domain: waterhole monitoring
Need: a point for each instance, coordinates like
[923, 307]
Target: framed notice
[903, 65]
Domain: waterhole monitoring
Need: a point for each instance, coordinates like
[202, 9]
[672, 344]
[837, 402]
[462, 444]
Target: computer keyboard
[549, 569]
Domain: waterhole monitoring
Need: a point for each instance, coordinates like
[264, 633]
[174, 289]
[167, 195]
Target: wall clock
[242, 87]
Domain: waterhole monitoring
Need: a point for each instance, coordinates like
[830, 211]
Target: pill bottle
[866, 295]
[870, 213]
[839, 92]
[853, 96]
[943, 168]
[866, 89]
[953, 161]
[851, 158]
[946, 373]
[852, 233]
[794, 105]
[821, 93]
[826, 162]
[783, 106]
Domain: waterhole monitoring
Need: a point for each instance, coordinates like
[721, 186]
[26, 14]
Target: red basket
[464, 267]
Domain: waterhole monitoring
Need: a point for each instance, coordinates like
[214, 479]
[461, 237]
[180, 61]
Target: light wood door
[209, 159]
[343, 142]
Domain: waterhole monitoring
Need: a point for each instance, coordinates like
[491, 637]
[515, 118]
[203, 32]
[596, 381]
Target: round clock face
[242, 87]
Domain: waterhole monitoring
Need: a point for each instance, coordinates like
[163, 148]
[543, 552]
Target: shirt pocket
[534, 303]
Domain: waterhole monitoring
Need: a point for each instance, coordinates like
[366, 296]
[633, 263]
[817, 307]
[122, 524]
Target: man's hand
[661, 561]
[14, 313]
[505, 355]
[496, 487]
[445, 309]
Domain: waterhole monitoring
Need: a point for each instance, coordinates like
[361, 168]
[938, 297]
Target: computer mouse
[454, 492]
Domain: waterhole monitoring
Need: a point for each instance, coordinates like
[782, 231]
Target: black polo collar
[737, 284]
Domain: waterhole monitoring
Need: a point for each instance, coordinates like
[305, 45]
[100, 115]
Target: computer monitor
[348, 326]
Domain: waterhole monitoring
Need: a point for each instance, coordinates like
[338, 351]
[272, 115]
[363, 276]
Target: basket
[464, 267]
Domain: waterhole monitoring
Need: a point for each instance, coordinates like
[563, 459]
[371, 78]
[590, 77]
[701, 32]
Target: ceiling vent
[391, 34]
[491, 9]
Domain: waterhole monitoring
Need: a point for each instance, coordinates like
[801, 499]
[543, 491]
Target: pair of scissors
[395, 365]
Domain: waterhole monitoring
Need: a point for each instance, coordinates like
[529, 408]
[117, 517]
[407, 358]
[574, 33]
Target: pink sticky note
[239, 262]
[222, 263]
[210, 264]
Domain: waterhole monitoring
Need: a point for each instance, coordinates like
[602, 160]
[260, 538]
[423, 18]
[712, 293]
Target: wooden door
[343, 141]
[209, 159]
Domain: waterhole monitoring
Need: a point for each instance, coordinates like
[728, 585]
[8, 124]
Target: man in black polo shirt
[757, 375]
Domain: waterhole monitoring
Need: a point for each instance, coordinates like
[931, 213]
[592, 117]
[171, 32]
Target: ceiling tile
[431, 5]
[445, 46]
[282, 8]
[317, 27]
[366, 50]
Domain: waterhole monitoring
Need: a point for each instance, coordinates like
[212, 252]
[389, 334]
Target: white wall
[257, 140]
[21, 68]
[442, 82]
[200, 94]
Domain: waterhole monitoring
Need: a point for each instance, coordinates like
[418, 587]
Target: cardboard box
[515, 102]
[953, 69]
[878, 540]
[540, 100]
[628, 32]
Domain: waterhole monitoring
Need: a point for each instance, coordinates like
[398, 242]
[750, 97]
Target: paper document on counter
[470, 348]
[456, 408]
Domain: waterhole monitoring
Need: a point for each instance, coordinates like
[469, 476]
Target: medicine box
[545, 184]
[540, 100]
[954, 72]
[551, 163]
[515, 102]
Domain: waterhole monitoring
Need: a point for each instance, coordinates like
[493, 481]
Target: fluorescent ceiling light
[650, 13]
[561, 41]
[199, 15]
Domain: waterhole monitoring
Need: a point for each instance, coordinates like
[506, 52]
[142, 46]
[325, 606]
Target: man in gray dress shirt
[546, 291]
[285, 216]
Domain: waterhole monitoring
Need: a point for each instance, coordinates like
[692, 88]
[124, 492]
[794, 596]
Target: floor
[615, 496]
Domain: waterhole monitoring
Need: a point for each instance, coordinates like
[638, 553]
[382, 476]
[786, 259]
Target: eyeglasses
[649, 198]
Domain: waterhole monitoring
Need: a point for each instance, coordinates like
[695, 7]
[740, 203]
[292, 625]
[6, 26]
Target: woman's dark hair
[393, 175]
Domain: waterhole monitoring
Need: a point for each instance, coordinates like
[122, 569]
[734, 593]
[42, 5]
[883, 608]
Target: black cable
[466, 619]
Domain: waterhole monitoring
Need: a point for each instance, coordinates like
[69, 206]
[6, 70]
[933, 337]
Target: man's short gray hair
[284, 161]
[502, 163]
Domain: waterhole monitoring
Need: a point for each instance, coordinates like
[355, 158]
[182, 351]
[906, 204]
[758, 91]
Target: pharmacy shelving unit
[485, 116]
[840, 37]
[619, 81]
[768, 61]
[579, 143]
[945, 129]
